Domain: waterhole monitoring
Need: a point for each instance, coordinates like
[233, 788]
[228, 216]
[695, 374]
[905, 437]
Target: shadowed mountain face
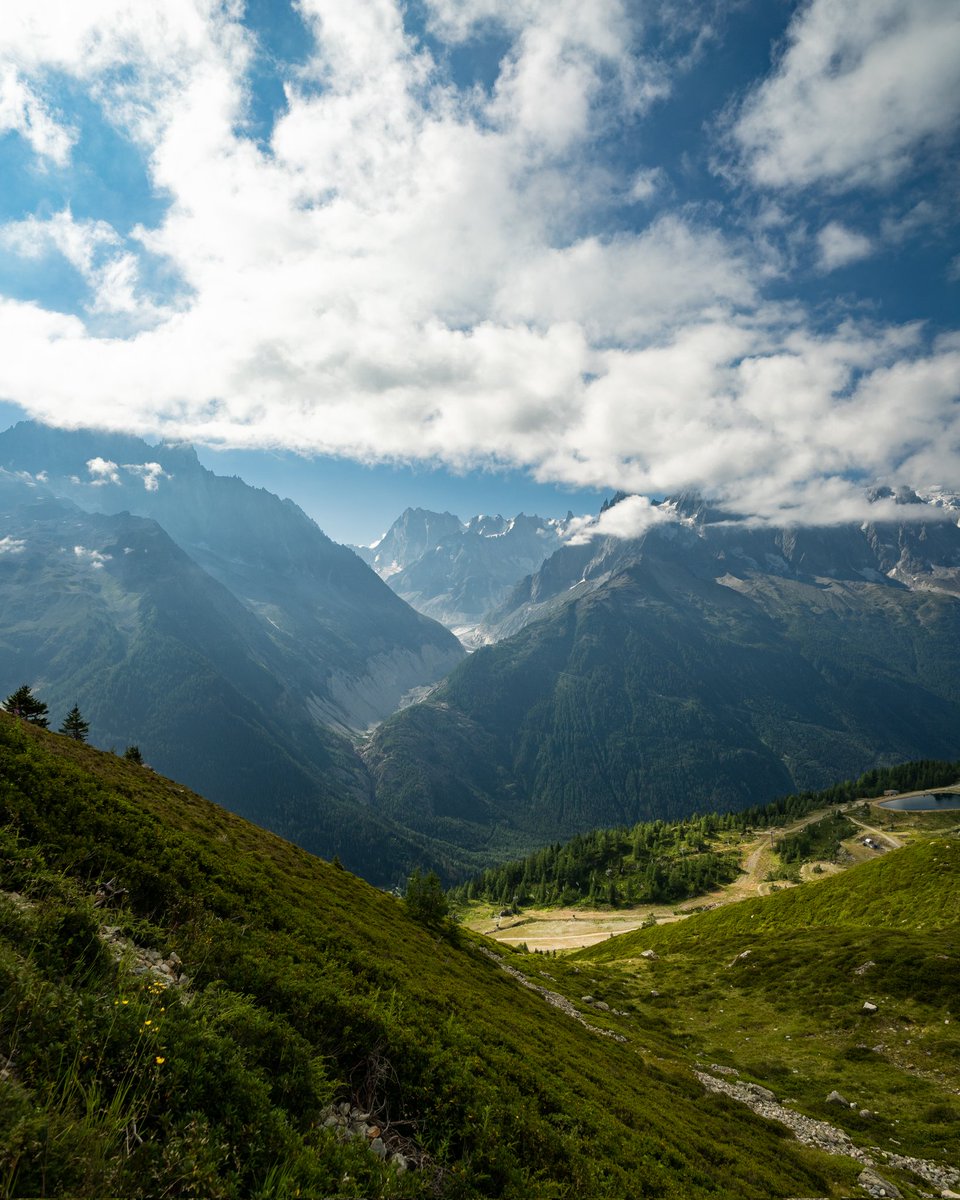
[107, 611]
[351, 649]
[701, 666]
[456, 573]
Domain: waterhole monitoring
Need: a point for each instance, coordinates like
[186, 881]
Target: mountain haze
[109, 612]
[456, 572]
[350, 646]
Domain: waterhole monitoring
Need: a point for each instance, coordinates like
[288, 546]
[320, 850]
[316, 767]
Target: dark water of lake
[931, 802]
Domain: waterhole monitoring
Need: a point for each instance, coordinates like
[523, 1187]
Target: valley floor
[565, 929]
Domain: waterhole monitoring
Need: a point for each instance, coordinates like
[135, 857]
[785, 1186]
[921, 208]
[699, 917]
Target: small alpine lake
[929, 802]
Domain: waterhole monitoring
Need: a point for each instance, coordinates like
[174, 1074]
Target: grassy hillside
[775, 989]
[911, 889]
[257, 985]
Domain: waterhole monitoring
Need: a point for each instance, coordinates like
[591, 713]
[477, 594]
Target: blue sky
[480, 255]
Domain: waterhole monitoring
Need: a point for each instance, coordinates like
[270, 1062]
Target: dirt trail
[566, 929]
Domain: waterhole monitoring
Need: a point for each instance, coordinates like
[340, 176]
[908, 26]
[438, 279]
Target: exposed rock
[836, 1098]
[864, 967]
[379, 1149]
[869, 1008]
[651, 955]
[741, 956]
[828, 1138]
[553, 998]
[144, 960]
[874, 1185]
[601, 1005]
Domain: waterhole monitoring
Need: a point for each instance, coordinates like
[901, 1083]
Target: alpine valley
[708, 664]
[191, 1005]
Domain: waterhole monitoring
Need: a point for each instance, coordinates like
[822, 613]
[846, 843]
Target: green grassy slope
[306, 986]
[775, 989]
[912, 889]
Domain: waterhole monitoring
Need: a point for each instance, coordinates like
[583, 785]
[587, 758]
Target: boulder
[649, 954]
[836, 1098]
[869, 1008]
[874, 1185]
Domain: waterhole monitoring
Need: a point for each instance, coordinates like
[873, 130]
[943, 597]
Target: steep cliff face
[921, 552]
[457, 572]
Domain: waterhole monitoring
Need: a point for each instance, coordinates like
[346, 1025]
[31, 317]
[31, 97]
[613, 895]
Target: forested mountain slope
[693, 669]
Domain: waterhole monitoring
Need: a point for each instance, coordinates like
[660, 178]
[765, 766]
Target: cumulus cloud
[630, 518]
[407, 270]
[12, 545]
[150, 472]
[103, 471]
[839, 246]
[92, 558]
[860, 89]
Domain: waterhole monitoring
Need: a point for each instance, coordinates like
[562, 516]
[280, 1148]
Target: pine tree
[23, 703]
[74, 725]
[425, 899]
[132, 754]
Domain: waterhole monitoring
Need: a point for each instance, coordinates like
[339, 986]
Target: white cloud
[412, 272]
[94, 250]
[12, 545]
[23, 112]
[646, 184]
[839, 246]
[103, 471]
[859, 90]
[630, 518]
[93, 558]
[78, 241]
[150, 472]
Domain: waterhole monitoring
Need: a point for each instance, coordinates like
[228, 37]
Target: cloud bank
[407, 268]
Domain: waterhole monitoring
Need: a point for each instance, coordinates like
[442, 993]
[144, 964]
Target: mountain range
[703, 665]
[707, 663]
[457, 571]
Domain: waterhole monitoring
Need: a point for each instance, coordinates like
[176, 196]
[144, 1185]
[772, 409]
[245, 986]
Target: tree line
[24, 704]
[665, 861]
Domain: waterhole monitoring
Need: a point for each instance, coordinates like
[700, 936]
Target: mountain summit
[456, 572]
